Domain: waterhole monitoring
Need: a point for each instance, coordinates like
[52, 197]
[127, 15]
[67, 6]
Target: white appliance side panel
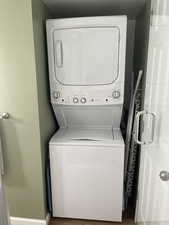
[87, 182]
[89, 117]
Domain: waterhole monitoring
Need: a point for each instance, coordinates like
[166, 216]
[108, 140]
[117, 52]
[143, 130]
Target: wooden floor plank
[87, 222]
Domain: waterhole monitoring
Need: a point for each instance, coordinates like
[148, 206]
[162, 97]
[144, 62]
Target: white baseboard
[26, 221]
[48, 216]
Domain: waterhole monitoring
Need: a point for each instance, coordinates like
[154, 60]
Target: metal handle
[59, 53]
[2, 172]
[137, 127]
[164, 175]
[4, 116]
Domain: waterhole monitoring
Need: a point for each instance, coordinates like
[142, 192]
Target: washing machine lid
[72, 136]
[86, 56]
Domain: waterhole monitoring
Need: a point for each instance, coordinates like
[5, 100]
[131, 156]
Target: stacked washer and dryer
[87, 69]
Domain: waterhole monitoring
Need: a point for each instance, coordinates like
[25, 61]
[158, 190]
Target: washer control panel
[85, 97]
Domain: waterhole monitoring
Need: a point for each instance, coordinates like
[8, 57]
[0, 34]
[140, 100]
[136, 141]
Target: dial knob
[116, 94]
[83, 100]
[75, 100]
[56, 94]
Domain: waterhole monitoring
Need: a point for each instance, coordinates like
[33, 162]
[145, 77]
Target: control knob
[56, 94]
[83, 100]
[116, 94]
[75, 100]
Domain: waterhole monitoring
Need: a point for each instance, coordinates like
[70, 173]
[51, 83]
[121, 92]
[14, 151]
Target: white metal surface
[86, 68]
[87, 174]
[102, 137]
[87, 59]
[88, 117]
[79, 58]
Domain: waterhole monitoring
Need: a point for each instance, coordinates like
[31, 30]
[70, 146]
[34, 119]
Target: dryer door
[86, 56]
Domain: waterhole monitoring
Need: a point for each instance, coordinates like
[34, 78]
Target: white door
[86, 47]
[153, 189]
[4, 216]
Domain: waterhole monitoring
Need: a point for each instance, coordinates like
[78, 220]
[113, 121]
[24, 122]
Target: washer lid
[86, 56]
[87, 136]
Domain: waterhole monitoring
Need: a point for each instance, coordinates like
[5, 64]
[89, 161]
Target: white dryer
[87, 65]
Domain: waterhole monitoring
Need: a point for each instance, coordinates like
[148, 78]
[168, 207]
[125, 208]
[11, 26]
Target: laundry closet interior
[97, 55]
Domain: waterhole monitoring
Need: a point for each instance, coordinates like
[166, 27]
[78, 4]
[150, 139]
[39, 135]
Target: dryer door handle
[58, 53]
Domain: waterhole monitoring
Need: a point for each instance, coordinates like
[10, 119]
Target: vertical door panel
[4, 217]
[153, 192]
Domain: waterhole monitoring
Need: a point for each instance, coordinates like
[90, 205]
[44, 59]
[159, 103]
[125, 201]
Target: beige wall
[21, 95]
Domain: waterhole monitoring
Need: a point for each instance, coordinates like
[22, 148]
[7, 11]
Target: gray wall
[129, 60]
[47, 123]
[141, 38]
[23, 93]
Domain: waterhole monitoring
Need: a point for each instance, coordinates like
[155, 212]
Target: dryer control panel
[91, 97]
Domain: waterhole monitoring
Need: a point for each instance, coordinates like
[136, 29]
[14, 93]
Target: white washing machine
[87, 173]
[86, 66]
